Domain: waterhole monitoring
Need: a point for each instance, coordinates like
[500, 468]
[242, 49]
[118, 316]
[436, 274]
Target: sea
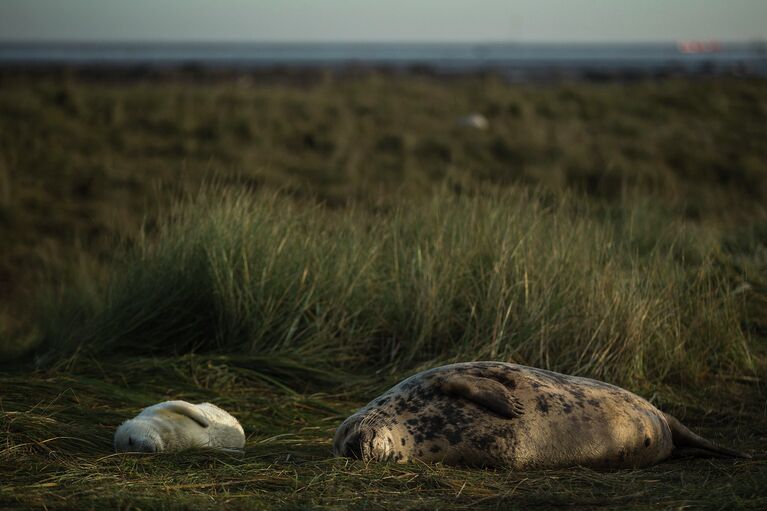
[513, 60]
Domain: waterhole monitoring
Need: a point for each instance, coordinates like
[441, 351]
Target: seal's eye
[130, 440]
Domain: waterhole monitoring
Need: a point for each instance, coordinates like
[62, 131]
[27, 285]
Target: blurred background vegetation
[89, 163]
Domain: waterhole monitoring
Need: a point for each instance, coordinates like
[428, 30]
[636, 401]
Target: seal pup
[499, 414]
[178, 425]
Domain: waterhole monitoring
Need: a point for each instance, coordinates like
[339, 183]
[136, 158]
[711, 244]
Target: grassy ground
[57, 449]
[288, 249]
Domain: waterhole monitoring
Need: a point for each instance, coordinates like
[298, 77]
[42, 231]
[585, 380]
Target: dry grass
[56, 451]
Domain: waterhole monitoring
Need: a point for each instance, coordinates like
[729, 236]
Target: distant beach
[513, 61]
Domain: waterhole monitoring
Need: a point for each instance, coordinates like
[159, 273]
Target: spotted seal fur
[499, 414]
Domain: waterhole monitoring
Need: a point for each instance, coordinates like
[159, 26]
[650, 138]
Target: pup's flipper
[485, 392]
[189, 410]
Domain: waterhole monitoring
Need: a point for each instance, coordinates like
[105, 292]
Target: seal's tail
[688, 443]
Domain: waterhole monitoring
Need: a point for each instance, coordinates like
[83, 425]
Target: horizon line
[753, 40]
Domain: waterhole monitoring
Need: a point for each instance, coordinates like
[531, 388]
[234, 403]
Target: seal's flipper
[485, 392]
[189, 410]
[688, 444]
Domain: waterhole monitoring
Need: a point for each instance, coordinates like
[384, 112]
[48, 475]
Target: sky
[383, 20]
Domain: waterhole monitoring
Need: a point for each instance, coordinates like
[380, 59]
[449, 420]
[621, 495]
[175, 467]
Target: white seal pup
[178, 425]
[499, 414]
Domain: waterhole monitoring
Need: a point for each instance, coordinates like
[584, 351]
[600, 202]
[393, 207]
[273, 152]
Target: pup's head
[137, 435]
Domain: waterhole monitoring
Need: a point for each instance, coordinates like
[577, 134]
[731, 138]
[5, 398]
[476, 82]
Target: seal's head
[368, 436]
[138, 435]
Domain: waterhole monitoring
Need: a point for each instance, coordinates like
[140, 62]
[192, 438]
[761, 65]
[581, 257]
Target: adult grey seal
[178, 425]
[499, 414]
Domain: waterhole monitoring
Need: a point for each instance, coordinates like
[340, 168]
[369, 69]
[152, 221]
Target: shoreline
[313, 72]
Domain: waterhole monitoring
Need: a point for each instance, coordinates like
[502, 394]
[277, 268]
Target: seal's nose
[353, 447]
[147, 447]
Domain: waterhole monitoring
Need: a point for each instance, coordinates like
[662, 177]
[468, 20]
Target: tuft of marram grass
[619, 293]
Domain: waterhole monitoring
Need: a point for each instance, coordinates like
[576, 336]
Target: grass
[492, 277]
[289, 249]
[57, 451]
[108, 154]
